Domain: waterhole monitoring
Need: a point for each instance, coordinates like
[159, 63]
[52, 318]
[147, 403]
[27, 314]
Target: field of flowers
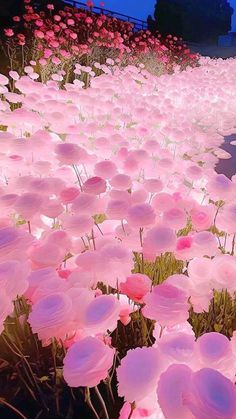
[55, 40]
[117, 237]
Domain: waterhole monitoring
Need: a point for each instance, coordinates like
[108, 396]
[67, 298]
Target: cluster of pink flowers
[94, 180]
[71, 33]
[180, 377]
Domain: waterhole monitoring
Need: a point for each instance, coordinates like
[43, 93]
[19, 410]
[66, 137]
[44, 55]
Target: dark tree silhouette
[194, 20]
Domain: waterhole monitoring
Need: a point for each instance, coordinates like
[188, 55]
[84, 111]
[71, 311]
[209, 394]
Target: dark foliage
[193, 20]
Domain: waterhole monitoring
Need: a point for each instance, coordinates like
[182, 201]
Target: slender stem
[99, 229]
[24, 381]
[17, 352]
[85, 246]
[141, 242]
[77, 175]
[23, 57]
[108, 384]
[123, 227]
[225, 241]
[53, 348]
[141, 236]
[93, 240]
[89, 402]
[161, 331]
[132, 405]
[233, 245]
[29, 227]
[102, 402]
[113, 366]
[2, 401]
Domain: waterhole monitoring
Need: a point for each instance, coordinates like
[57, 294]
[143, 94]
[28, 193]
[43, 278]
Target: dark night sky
[142, 8]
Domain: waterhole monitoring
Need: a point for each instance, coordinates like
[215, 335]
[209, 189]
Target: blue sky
[135, 8]
[142, 8]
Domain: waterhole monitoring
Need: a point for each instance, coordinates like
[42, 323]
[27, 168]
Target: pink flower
[166, 304]
[89, 20]
[215, 350]
[46, 254]
[47, 53]
[69, 194]
[38, 34]
[9, 270]
[16, 18]
[6, 308]
[9, 32]
[95, 185]
[202, 217]
[175, 218]
[178, 347]
[51, 316]
[124, 315]
[57, 18]
[73, 35]
[50, 6]
[78, 225]
[138, 373]
[28, 204]
[141, 215]
[136, 286]
[54, 44]
[121, 181]
[201, 396]
[224, 272]
[56, 60]
[101, 314]
[39, 23]
[90, 4]
[3, 80]
[42, 61]
[87, 362]
[158, 240]
[174, 381]
[14, 75]
[69, 153]
[184, 243]
[14, 243]
[117, 209]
